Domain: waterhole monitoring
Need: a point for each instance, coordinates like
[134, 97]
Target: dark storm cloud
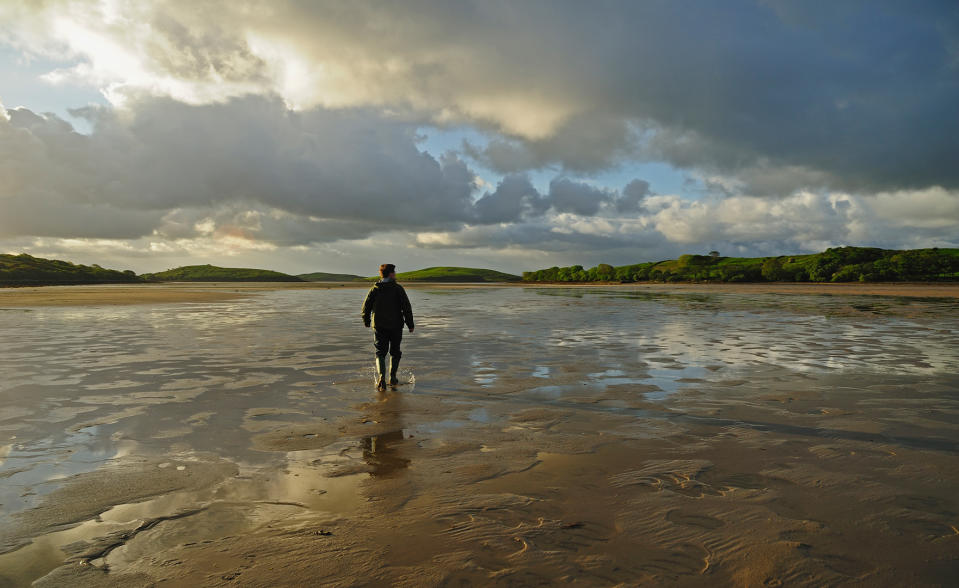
[587, 142]
[252, 168]
[343, 164]
[863, 92]
[514, 198]
[855, 95]
[633, 195]
[355, 167]
[566, 195]
[858, 95]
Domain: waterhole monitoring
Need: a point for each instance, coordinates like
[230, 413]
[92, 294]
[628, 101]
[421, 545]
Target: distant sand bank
[122, 294]
[918, 290]
[108, 294]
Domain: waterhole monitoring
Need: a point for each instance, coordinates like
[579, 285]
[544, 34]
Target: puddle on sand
[671, 380]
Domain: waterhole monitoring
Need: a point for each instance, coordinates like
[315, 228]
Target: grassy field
[325, 277]
[26, 270]
[212, 273]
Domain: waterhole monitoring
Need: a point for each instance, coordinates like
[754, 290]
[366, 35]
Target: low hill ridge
[26, 270]
[328, 277]
[212, 273]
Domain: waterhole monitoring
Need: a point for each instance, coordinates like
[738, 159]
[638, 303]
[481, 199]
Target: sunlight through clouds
[306, 117]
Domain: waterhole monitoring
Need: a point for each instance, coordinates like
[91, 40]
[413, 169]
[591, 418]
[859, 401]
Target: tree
[714, 254]
[772, 269]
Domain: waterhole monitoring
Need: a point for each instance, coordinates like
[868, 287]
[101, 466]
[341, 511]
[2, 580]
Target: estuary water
[587, 435]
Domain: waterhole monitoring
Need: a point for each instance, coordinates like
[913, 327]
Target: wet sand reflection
[384, 452]
[594, 435]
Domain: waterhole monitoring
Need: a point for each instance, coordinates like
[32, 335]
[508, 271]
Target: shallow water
[130, 436]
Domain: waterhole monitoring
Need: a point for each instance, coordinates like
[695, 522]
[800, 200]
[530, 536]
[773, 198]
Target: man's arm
[407, 309]
[368, 306]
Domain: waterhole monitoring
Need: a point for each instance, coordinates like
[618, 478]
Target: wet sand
[588, 436]
[176, 292]
[911, 290]
[113, 294]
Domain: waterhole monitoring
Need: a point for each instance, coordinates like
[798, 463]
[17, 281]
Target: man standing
[390, 309]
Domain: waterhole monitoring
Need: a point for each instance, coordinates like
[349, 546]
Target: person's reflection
[382, 452]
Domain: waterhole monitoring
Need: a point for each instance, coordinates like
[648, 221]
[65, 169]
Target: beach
[661, 434]
[122, 294]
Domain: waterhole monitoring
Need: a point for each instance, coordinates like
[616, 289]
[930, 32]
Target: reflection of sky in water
[541, 371]
[670, 380]
[32, 466]
[484, 375]
[82, 385]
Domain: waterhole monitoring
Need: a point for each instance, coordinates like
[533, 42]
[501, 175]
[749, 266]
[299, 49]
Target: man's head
[388, 270]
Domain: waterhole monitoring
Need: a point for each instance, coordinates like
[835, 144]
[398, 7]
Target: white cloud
[932, 208]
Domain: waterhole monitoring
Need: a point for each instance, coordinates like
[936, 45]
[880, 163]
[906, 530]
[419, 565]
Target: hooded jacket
[389, 306]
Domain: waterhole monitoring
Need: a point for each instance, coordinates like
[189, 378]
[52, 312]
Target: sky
[309, 136]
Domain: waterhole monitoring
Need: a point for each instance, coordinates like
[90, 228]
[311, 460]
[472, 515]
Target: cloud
[584, 142]
[854, 96]
[666, 226]
[514, 198]
[633, 196]
[566, 195]
[251, 169]
[250, 176]
[286, 127]
[352, 166]
[932, 209]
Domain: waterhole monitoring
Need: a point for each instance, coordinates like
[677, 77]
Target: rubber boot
[394, 365]
[380, 373]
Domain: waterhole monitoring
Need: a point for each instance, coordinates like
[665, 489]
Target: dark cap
[386, 269]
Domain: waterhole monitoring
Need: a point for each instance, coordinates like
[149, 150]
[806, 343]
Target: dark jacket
[389, 305]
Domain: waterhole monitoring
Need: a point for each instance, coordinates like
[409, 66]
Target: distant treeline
[839, 264]
[26, 270]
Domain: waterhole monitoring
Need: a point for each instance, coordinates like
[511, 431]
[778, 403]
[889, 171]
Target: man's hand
[411, 329]
[366, 324]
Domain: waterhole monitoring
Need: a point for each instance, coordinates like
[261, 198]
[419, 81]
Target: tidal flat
[593, 436]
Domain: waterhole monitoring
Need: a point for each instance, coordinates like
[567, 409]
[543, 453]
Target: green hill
[212, 273]
[454, 274]
[325, 277]
[840, 264]
[26, 270]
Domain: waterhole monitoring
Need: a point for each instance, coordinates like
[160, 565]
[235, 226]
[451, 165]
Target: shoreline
[903, 289]
[181, 292]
